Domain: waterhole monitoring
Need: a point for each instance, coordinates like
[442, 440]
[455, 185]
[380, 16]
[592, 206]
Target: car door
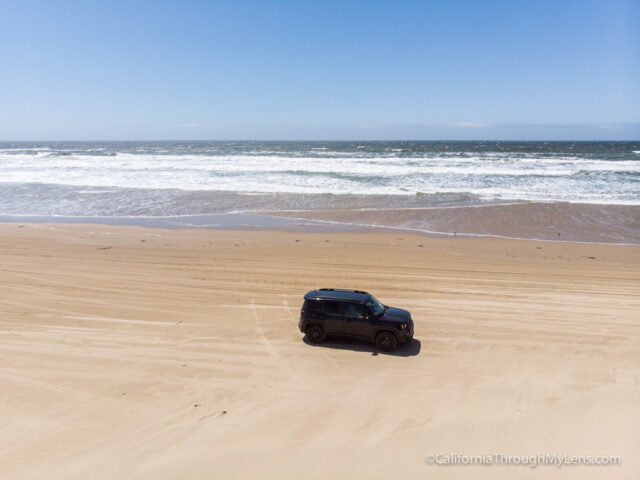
[331, 316]
[356, 318]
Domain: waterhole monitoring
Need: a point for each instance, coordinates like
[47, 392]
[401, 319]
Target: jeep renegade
[354, 313]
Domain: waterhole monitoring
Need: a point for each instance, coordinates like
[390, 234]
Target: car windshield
[375, 306]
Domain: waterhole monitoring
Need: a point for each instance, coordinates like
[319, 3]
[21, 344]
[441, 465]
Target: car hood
[396, 315]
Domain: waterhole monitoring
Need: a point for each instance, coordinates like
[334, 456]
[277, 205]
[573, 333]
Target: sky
[320, 70]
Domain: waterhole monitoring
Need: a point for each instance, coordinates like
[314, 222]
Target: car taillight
[403, 326]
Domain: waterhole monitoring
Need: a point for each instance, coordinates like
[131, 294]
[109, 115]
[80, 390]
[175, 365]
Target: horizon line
[319, 140]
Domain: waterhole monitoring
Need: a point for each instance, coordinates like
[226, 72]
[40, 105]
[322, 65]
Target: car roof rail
[340, 290]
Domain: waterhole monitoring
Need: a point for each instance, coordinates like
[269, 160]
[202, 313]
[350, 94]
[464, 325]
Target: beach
[199, 198]
[131, 352]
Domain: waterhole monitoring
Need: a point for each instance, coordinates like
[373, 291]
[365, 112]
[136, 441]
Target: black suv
[354, 313]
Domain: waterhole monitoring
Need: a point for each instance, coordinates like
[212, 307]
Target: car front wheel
[315, 333]
[386, 341]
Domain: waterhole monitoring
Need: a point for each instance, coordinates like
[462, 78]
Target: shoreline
[561, 222]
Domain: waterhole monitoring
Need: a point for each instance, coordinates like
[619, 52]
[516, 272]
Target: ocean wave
[562, 172]
[82, 154]
[607, 172]
[266, 163]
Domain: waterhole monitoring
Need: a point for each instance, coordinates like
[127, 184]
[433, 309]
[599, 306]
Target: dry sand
[128, 352]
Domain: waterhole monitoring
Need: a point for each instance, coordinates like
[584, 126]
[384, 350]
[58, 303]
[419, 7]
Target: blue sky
[320, 70]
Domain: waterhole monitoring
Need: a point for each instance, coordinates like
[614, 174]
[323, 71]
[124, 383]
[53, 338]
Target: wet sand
[132, 352]
[619, 224]
[572, 222]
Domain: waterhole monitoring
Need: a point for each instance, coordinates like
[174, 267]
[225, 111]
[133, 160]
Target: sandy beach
[141, 353]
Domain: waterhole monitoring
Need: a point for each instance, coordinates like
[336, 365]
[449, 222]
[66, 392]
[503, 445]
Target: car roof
[337, 294]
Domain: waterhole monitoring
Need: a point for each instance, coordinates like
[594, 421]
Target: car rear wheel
[386, 341]
[315, 333]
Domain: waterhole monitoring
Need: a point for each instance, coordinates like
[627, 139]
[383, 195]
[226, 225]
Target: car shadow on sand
[409, 349]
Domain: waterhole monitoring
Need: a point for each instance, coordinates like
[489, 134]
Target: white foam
[491, 175]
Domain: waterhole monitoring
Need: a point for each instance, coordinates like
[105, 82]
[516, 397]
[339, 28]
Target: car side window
[310, 305]
[353, 310]
[332, 308]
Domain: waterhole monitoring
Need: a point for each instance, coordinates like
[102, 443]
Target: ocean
[187, 178]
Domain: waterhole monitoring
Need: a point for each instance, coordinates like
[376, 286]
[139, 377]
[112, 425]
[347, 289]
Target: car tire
[386, 341]
[315, 333]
